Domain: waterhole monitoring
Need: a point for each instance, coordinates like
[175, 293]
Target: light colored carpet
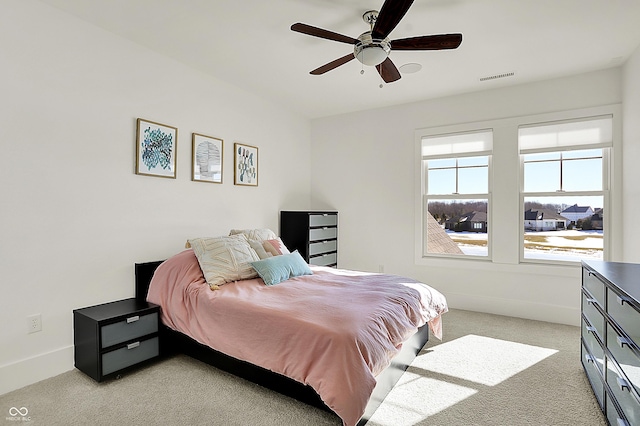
[488, 370]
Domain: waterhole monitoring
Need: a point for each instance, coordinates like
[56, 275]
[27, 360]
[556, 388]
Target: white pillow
[259, 248]
[255, 234]
[225, 259]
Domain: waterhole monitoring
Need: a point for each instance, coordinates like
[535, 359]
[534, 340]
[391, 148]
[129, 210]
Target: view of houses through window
[563, 228]
[564, 183]
[457, 194]
[564, 177]
[463, 223]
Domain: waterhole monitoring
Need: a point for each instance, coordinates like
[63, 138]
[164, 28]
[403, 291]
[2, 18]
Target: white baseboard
[31, 370]
[515, 308]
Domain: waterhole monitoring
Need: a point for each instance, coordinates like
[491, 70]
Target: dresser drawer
[128, 329]
[627, 360]
[593, 315]
[129, 355]
[322, 247]
[323, 220]
[615, 418]
[592, 344]
[623, 393]
[624, 314]
[589, 363]
[593, 284]
[324, 260]
[323, 234]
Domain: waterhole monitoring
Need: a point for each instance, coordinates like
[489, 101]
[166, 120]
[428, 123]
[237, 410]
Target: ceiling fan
[373, 47]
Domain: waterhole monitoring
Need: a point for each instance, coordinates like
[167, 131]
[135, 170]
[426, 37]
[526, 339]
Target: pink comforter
[334, 330]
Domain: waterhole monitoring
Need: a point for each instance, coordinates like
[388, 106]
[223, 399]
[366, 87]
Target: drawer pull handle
[623, 384]
[589, 358]
[132, 319]
[591, 329]
[133, 345]
[591, 301]
[623, 341]
[621, 300]
[325, 215]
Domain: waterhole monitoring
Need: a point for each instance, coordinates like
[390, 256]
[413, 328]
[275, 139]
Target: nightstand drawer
[322, 247]
[128, 329]
[323, 234]
[324, 260]
[624, 314]
[130, 355]
[323, 220]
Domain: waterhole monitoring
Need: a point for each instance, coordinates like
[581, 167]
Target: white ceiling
[248, 43]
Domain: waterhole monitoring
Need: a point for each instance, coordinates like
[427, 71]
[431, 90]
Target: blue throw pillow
[276, 269]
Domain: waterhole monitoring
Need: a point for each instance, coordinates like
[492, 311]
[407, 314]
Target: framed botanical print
[245, 170]
[206, 158]
[156, 149]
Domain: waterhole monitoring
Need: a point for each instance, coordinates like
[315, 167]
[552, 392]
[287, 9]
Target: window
[564, 183]
[456, 193]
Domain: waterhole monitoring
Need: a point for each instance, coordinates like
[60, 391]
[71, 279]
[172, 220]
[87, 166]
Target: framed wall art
[245, 170]
[156, 149]
[206, 158]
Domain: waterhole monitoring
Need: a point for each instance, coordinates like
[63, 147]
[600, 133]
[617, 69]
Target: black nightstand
[112, 338]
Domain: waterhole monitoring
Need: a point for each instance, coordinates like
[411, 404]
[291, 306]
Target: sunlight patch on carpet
[473, 359]
[415, 398]
[481, 359]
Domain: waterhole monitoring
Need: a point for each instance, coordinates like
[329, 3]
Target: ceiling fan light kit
[371, 51]
[372, 48]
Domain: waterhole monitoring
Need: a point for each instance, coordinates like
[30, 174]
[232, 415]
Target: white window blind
[457, 145]
[595, 132]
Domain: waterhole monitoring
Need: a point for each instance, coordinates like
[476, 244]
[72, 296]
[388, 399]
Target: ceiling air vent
[493, 77]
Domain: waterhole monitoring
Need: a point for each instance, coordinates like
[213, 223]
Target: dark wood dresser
[313, 233]
[611, 338]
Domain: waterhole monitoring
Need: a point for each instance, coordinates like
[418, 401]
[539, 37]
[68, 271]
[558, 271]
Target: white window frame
[461, 151]
[604, 192]
[507, 235]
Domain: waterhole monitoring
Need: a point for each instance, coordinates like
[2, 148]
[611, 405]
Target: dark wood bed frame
[173, 342]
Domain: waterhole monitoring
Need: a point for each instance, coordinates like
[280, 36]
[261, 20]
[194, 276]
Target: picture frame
[156, 149]
[245, 170]
[207, 157]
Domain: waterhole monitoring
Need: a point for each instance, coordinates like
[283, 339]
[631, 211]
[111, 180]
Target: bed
[292, 336]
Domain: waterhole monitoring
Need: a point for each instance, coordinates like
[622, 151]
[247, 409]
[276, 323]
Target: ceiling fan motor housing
[371, 51]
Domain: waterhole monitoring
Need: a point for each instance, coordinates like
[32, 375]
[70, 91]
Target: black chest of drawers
[112, 338]
[611, 338]
[313, 233]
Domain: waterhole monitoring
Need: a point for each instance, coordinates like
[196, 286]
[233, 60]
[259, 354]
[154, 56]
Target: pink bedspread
[334, 330]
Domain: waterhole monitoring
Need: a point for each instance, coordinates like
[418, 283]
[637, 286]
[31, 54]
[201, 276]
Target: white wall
[372, 183]
[631, 158]
[74, 216]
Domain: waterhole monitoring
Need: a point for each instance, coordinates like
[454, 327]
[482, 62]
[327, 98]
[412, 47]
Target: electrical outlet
[34, 323]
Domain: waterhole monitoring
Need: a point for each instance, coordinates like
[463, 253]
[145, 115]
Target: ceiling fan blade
[388, 71]
[333, 64]
[430, 42]
[390, 15]
[319, 32]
